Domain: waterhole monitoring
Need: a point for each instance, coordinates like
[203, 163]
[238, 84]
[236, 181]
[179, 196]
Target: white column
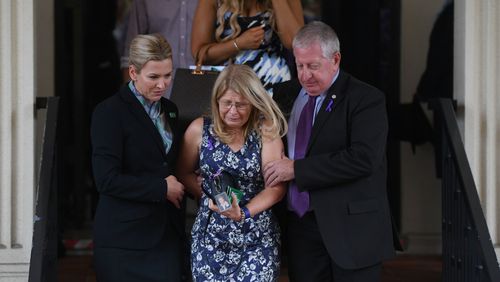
[477, 87]
[16, 137]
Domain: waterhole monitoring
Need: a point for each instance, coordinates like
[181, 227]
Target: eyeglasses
[226, 105]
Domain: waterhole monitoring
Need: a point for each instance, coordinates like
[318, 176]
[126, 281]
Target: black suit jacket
[130, 166]
[344, 171]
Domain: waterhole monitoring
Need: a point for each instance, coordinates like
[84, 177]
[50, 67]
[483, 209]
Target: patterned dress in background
[223, 249]
[269, 61]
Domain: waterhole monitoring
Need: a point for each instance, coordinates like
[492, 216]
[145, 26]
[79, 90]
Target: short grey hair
[148, 47]
[318, 32]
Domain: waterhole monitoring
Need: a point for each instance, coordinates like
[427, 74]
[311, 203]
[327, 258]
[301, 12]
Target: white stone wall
[477, 90]
[477, 86]
[17, 175]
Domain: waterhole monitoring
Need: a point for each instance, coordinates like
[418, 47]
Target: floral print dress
[223, 249]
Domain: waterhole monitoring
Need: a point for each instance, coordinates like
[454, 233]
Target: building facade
[27, 71]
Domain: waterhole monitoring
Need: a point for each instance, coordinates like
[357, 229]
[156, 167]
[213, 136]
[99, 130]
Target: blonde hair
[148, 47]
[236, 8]
[243, 80]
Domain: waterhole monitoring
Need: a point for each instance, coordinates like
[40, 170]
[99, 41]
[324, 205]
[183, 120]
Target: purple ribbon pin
[330, 103]
[210, 145]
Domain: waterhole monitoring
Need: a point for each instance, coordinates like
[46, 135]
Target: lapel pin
[330, 103]
[172, 114]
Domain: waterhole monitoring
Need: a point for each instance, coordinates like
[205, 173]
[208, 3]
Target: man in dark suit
[339, 223]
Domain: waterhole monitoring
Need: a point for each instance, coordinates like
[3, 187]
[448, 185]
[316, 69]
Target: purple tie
[299, 201]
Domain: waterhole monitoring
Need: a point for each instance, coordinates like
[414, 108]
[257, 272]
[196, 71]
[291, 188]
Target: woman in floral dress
[243, 133]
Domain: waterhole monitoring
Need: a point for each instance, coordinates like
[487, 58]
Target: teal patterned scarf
[154, 112]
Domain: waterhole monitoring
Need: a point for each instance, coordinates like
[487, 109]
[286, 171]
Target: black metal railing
[43, 262]
[468, 253]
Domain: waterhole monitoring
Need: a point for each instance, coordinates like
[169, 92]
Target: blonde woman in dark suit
[138, 227]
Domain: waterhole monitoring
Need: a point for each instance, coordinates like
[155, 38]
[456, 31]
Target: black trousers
[308, 259]
[163, 263]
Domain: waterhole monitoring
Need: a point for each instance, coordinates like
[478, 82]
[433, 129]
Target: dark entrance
[87, 71]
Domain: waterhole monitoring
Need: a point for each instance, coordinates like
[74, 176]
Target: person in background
[172, 19]
[339, 223]
[138, 226]
[252, 32]
[437, 79]
[121, 26]
[241, 135]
